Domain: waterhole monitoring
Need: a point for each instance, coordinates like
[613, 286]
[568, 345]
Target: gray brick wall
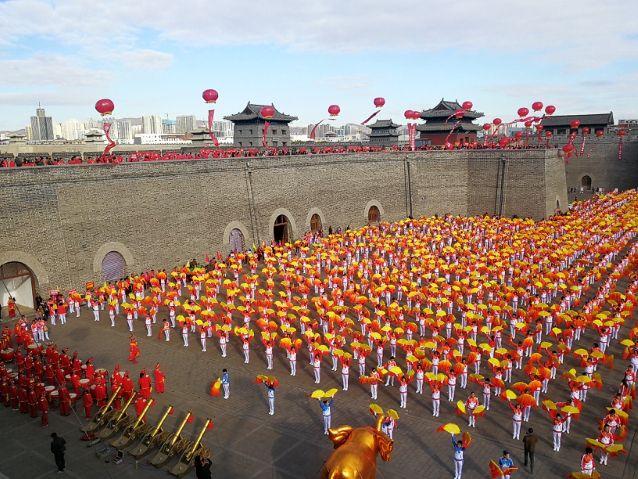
[60, 219]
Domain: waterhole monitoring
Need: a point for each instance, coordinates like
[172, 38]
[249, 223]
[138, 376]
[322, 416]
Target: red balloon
[267, 112]
[548, 134]
[467, 105]
[503, 142]
[416, 115]
[104, 106]
[537, 106]
[600, 133]
[523, 112]
[210, 95]
[334, 110]
[621, 133]
[574, 124]
[379, 102]
[539, 127]
[550, 109]
[408, 114]
[487, 126]
[529, 123]
[586, 131]
[497, 121]
[458, 114]
[518, 135]
[568, 148]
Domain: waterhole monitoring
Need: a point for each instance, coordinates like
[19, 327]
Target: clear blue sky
[156, 57]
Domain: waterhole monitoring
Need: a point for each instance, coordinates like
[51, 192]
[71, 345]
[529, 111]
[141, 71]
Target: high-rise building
[168, 126]
[71, 130]
[42, 126]
[28, 132]
[152, 124]
[223, 129]
[185, 123]
[124, 130]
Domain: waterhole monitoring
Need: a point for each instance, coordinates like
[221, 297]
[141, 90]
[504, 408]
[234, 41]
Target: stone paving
[248, 443]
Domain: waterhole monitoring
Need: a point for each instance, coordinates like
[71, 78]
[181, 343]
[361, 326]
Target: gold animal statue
[355, 455]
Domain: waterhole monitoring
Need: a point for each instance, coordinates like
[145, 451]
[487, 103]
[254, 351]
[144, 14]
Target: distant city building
[249, 127]
[152, 124]
[561, 124]
[440, 124]
[223, 129]
[124, 130]
[160, 139]
[384, 133]
[628, 123]
[28, 133]
[168, 126]
[41, 126]
[185, 123]
[72, 130]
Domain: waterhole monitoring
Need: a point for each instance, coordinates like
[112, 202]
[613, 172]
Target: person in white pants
[185, 334]
[419, 375]
[246, 349]
[436, 399]
[345, 373]
[167, 330]
[148, 322]
[269, 355]
[96, 310]
[292, 358]
[557, 430]
[403, 392]
[316, 365]
[326, 413]
[129, 320]
[226, 383]
[223, 343]
[451, 386]
[202, 338]
[517, 419]
[271, 398]
[458, 457]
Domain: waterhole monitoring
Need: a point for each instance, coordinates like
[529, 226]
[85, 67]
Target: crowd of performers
[35, 377]
[441, 302]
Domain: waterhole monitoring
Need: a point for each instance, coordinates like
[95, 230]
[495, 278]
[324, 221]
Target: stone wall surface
[61, 220]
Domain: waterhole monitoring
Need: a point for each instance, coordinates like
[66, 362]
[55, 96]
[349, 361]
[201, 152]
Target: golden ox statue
[355, 455]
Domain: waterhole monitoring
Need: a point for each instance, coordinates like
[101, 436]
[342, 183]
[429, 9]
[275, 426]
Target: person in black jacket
[202, 466]
[58, 446]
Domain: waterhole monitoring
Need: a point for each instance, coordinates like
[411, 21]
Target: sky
[156, 57]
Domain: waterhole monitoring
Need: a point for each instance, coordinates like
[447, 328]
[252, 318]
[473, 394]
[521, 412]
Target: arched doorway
[17, 281]
[236, 240]
[374, 215]
[315, 223]
[281, 229]
[557, 204]
[585, 182]
[113, 266]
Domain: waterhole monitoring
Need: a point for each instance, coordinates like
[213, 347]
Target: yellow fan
[494, 362]
[330, 393]
[376, 409]
[396, 370]
[594, 442]
[549, 404]
[393, 414]
[570, 410]
[461, 407]
[318, 394]
[615, 448]
[451, 428]
[510, 395]
[479, 409]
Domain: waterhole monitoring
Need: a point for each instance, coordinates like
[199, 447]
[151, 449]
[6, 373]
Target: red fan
[527, 400]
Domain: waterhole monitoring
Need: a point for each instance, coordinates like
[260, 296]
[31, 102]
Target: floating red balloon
[497, 121]
[416, 115]
[458, 114]
[210, 95]
[487, 126]
[529, 123]
[467, 105]
[550, 109]
[334, 110]
[408, 114]
[537, 106]
[379, 102]
[600, 133]
[523, 112]
[267, 112]
[104, 106]
[574, 124]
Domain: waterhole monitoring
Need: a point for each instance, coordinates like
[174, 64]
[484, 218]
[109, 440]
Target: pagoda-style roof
[595, 119]
[383, 124]
[446, 109]
[463, 126]
[252, 112]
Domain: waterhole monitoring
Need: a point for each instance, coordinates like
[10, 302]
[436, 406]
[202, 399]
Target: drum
[7, 355]
[100, 371]
[84, 383]
[49, 389]
[54, 394]
[73, 396]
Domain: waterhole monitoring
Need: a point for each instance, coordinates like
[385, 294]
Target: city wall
[61, 221]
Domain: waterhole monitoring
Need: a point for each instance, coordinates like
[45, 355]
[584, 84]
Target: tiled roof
[253, 112]
[585, 120]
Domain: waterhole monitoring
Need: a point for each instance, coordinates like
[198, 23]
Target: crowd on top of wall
[9, 161]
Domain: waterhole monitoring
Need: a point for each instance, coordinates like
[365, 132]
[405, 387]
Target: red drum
[7, 355]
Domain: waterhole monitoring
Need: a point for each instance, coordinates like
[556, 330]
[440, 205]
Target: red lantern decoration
[416, 115]
[210, 95]
[504, 142]
[267, 112]
[523, 112]
[518, 135]
[529, 123]
[550, 109]
[568, 148]
[621, 133]
[600, 133]
[334, 110]
[539, 127]
[586, 131]
[497, 121]
[537, 106]
[379, 102]
[467, 105]
[458, 114]
[487, 126]
[104, 106]
[548, 134]
[408, 114]
[574, 124]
